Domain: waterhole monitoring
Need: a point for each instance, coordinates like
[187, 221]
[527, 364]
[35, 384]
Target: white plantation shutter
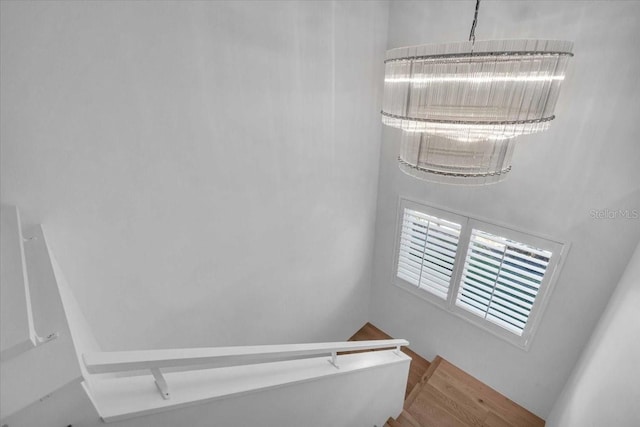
[498, 278]
[427, 251]
[501, 279]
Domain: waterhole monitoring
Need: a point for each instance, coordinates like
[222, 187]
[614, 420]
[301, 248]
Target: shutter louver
[427, 251]
[501, 279]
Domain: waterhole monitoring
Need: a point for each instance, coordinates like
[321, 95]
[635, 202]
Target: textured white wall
[604, 388]
[206, 171]
[588, 160]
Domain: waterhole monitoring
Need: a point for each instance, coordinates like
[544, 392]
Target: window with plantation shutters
[427, 252]
[501, 279]
[495, 277]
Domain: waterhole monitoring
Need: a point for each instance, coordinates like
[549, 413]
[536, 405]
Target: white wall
[206, 171]
[84, 341]
[604, 388]
[588, 160]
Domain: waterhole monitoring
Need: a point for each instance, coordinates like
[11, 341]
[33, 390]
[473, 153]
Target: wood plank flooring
[449, 397]
[440, 394]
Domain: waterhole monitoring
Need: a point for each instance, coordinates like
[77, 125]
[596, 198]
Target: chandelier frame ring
[454, 174]
[469, 122]
[463, 55]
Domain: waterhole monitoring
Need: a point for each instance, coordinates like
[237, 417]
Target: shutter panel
[501, 279]
[427, 252]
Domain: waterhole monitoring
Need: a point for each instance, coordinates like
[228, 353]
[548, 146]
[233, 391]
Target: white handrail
[122, 361]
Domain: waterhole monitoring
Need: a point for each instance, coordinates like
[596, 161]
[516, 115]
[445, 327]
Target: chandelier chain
[472, 35]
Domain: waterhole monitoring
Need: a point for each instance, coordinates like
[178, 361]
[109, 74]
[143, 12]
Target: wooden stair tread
[434, 408]
[416, 389]
[406, 419]
[392, 423]
[448, 396]
[494, 420]
[439, 394]
[448, 378]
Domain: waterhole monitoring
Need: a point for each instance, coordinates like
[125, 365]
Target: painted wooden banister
[154, 360]
[122, 361]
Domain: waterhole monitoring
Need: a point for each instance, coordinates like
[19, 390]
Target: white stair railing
[155, 360]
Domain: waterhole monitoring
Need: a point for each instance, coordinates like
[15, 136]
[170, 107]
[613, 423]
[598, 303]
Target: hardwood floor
[419, 364]
[440, 394]
[448, 396]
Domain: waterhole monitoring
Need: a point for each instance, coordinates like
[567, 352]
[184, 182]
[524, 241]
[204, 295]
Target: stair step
[425, 377]
[406, 420]
[448, 396]
[392, 423]
[440, 394]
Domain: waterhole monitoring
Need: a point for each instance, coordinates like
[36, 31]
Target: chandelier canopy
[460, 105]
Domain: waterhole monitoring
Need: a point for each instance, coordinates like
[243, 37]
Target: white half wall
[366, 393]
[561, 181]
[604, 388]
[206, 171]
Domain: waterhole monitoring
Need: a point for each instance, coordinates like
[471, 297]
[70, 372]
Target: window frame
[467, 222]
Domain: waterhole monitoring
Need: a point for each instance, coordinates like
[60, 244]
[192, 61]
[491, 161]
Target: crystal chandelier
[461, 105]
